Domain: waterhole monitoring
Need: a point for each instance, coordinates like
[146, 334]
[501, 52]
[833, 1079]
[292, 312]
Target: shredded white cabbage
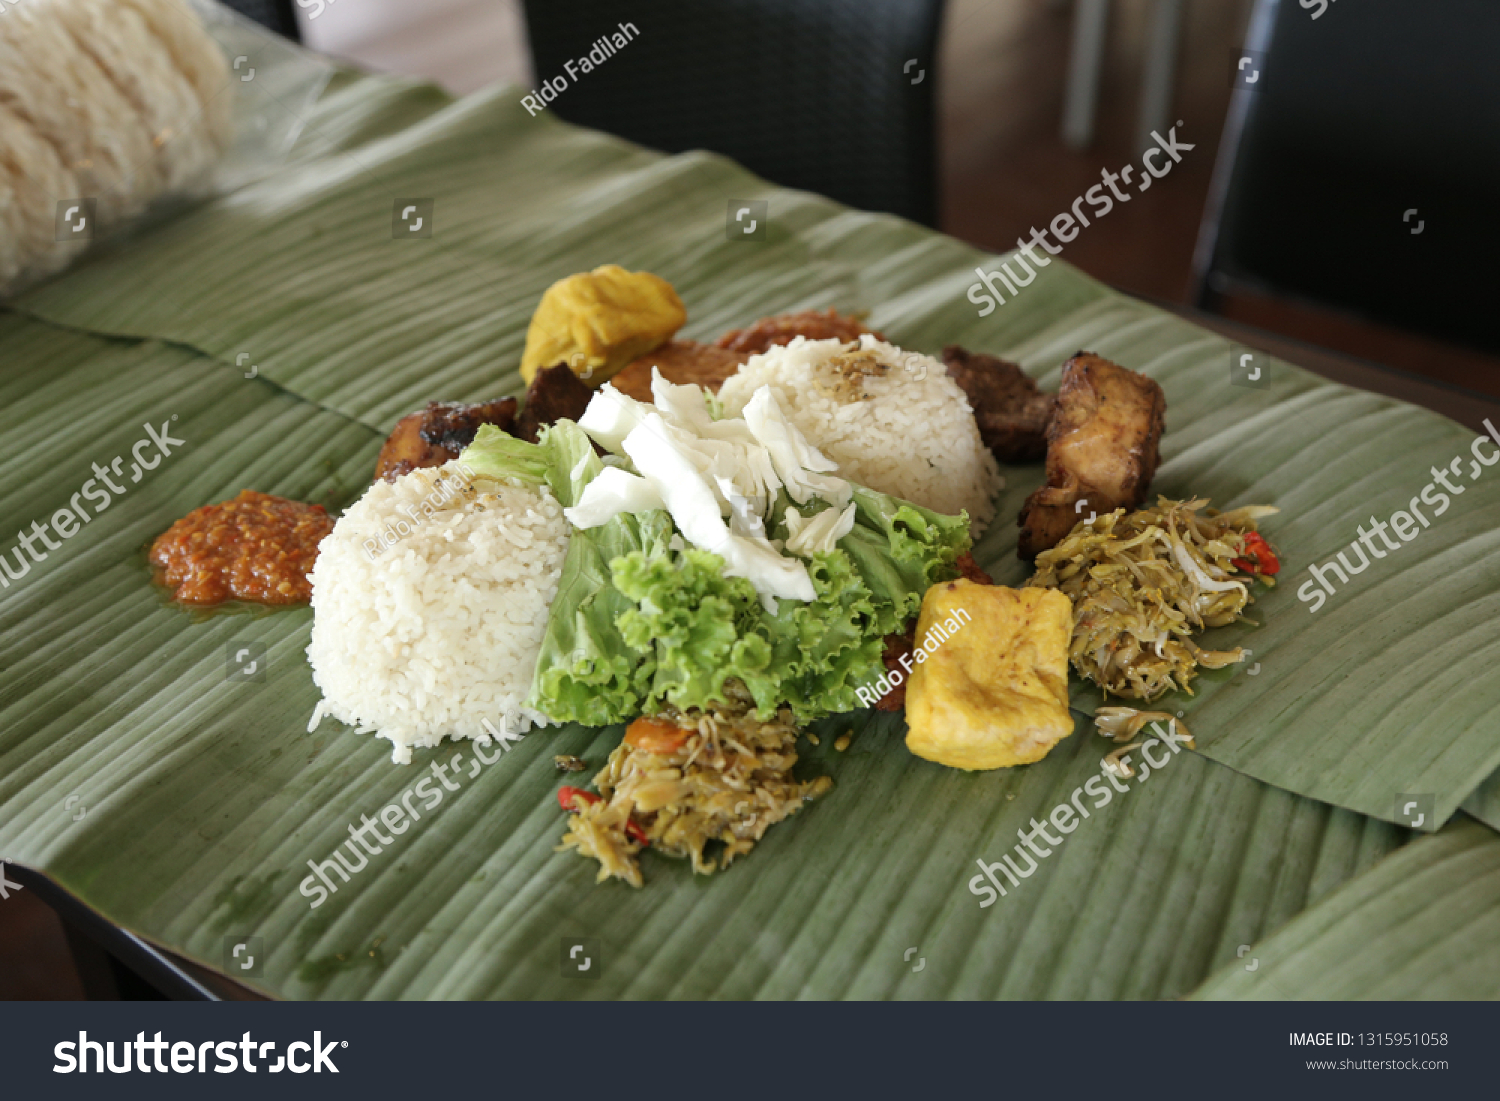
[705, 472]
[609, 417]
[612, 492]
[795, 460]
[809, 535]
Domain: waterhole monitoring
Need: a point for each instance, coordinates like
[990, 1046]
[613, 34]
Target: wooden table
[1468, 407]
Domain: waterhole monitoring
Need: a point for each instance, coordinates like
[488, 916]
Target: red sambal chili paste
[256, 547]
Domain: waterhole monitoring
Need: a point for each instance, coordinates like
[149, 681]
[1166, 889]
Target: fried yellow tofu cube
[598, 321]
[989, 688]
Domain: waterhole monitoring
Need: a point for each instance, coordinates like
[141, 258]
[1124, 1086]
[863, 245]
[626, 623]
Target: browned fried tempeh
[1011, 412]
[1102, 449]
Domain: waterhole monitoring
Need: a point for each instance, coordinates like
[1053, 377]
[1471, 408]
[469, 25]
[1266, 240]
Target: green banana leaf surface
[288, 325]
[1424, 924]
[1484, 802]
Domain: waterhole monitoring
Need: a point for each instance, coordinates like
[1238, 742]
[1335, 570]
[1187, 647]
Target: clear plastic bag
[275, 82]
[115, 113]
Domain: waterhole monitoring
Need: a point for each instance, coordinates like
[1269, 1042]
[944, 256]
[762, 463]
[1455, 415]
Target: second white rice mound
[430, 601]
[893, 421]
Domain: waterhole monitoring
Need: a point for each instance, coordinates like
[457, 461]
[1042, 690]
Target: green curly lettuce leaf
[637, 625]
[704, 628]
[681, 629]
[901, 550]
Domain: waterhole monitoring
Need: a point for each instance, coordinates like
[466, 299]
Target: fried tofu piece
[597, 321]
[555, 394]
[899, 646]
[1102, 449]
[1011, 412]
[437, 434]
[783, 328]
[682, 362]
[993, 693]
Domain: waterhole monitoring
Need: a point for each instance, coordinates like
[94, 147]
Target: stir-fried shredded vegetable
[1122, 724]
[681, 781]
[1143, 583]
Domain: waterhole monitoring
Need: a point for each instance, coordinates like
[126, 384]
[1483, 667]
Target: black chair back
[1359, 170]
[832, 96]
[279, 15]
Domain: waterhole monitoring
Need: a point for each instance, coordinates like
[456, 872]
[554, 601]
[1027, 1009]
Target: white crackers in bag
[73, 106]
[31, 175]
[119, 41]
[119, 101]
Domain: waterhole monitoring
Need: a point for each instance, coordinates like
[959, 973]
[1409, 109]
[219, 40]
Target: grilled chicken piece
[1102, 449]
[555, 394]
[782, 328]
[438, 433]
[682, 362]
[1011, 412]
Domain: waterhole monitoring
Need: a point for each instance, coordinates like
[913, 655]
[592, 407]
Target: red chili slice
[566, 795]
[1265, 562]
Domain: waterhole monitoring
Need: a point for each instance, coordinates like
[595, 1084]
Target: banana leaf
[307, 276]
[1422, 924]
[1484, 802]
[205, 799]
[146, 774]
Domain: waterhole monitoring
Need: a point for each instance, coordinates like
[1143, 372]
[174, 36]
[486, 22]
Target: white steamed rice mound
[893, 421]
[430, 600]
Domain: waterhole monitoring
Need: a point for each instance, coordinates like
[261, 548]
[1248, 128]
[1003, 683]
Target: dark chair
[812, 94]
[279, 15]
[1359, 170]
